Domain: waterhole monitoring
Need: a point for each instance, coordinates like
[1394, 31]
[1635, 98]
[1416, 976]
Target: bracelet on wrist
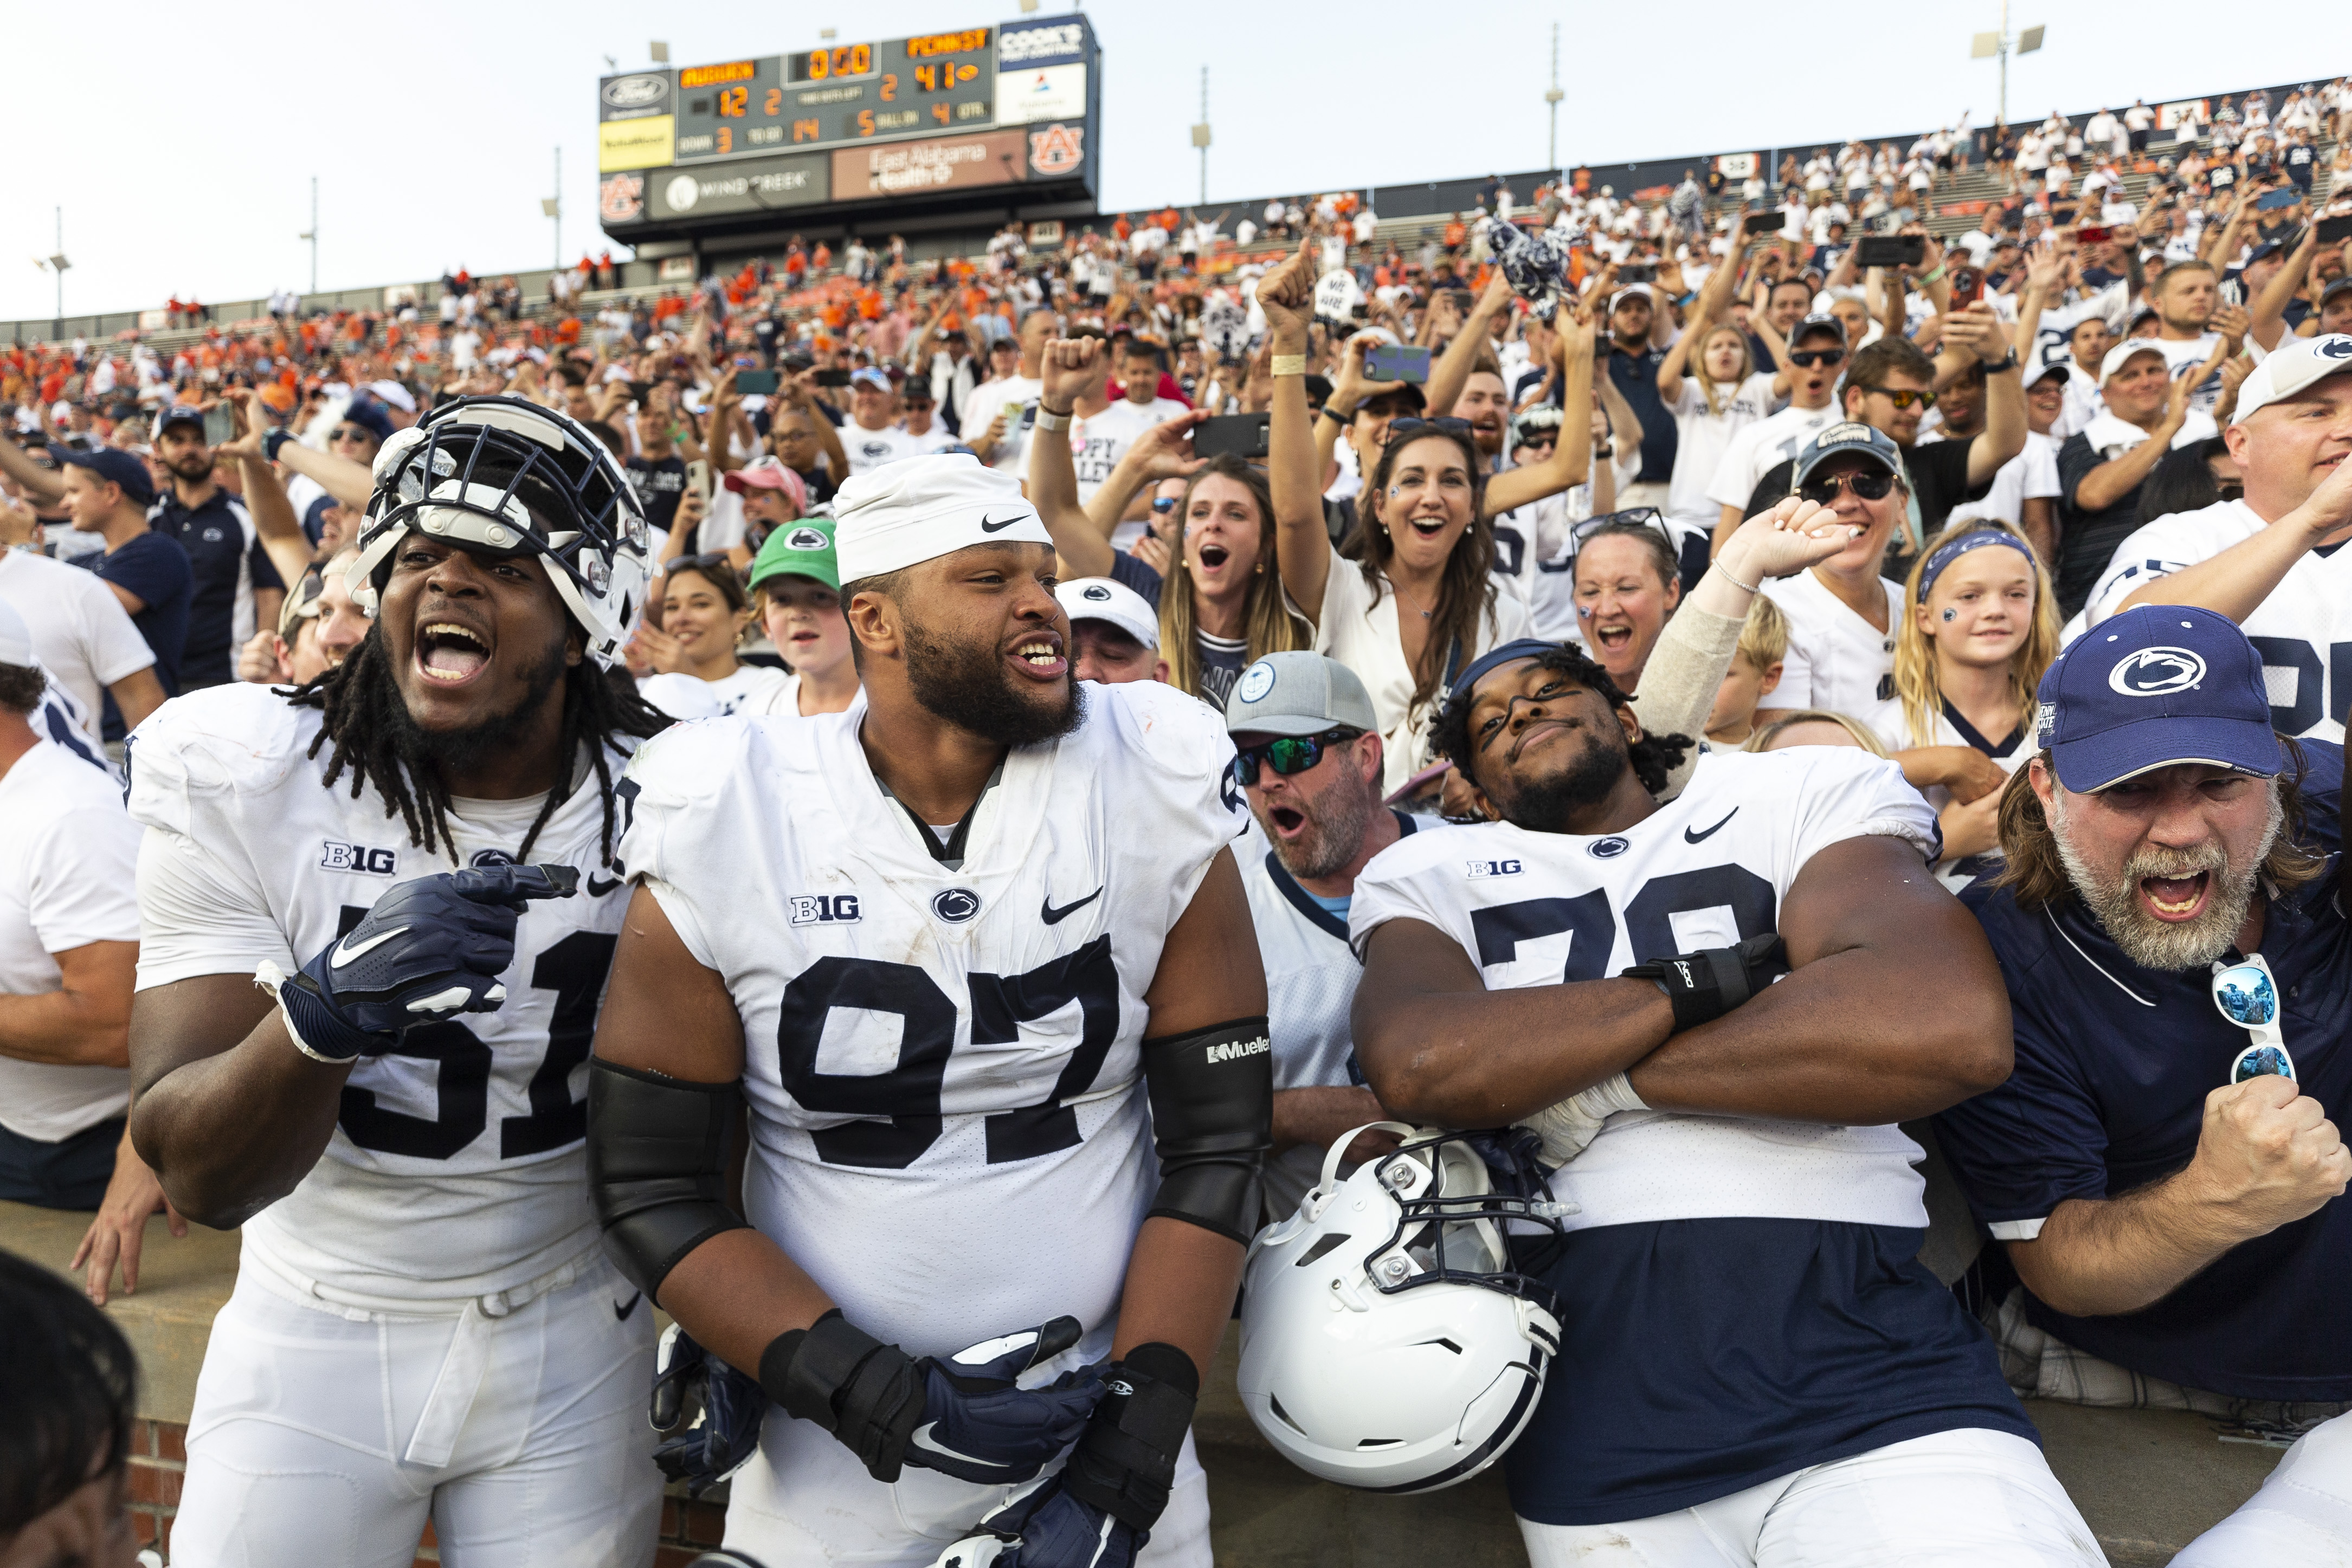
[1755, 587]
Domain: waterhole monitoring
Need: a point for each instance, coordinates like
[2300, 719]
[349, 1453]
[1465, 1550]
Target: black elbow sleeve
[1212, 1121]
[658, 1152]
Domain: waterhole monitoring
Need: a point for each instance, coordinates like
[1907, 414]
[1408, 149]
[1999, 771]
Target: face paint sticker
[1951, 615]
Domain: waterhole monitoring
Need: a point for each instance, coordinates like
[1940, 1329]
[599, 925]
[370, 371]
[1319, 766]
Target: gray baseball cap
[1298, 692]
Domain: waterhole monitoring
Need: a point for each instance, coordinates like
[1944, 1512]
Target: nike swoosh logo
[345, 951]
[1054, 916]
[1692, 835]
[921, 1438]
[621, 1313]
[988, 526]
[598, 890]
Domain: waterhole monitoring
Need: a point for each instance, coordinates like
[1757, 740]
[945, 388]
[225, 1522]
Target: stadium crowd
[2041, 517]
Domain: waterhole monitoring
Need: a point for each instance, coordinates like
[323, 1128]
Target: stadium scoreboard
[712, 147]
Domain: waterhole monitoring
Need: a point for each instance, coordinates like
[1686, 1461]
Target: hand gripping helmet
[503, 475]
[1387, 1342]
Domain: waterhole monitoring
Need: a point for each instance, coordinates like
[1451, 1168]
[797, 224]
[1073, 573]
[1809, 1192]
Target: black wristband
[868, 1394]
[273, 441]
[1705, 985]
[1126, 1462]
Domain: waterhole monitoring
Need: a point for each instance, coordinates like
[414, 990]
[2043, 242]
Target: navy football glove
[963, 1415]
[429, 949]
[1047, 1527]
[702, 1452]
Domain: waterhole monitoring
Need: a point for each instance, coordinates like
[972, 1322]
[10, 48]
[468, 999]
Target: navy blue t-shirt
[1701, 1357]
[2114, 1062]
[154, 568]
[228, 566]
[1636, 376]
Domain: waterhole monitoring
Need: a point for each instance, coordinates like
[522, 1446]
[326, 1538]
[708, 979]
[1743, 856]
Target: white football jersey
[1706, 869]
[2302, 631]
[948, 1116]
[458, 1166]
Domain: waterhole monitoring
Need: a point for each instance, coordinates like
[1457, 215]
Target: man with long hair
[362, 1039]
[1714, 1011]
[2163, 1168]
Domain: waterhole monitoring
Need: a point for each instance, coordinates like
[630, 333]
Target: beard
[2165, 944]
[195, 467]
[964, 685]
[1541, 805]
[455, 751]
[1334, 831]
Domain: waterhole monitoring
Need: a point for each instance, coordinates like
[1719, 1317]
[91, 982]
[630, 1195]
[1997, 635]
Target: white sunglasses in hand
[2248, 998]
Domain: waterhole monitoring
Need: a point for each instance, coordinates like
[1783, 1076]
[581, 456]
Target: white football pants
[2300, 1518]
[1964, 1498]
[329, 1435]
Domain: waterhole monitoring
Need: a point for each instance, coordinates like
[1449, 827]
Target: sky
[186, 166]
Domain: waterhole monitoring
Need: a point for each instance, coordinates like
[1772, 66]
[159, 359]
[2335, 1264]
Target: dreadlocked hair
[359, 699]
[1653, 756]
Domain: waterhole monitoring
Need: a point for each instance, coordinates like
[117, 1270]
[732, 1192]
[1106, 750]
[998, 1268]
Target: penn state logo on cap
[1096, 592]
[1256, 681]
[806, 538]
[2156, 672]
[956, 906]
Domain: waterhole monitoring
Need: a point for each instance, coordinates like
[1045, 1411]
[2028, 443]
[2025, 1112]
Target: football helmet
[505, 475]
[1388, 1341]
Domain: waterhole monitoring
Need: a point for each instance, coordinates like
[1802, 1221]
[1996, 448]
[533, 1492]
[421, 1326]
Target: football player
[944, 946]
[1742, 1292]
[423, 1323]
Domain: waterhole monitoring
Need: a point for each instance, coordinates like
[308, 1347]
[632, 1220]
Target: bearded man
[2160, 1168]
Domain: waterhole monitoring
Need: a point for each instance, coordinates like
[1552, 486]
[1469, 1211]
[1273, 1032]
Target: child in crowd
[1754, 671]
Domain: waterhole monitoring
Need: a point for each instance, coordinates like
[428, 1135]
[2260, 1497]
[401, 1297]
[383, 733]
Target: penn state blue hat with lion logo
[2157, 685]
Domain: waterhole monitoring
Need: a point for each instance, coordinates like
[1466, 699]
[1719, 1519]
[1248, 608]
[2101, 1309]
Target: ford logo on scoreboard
[641, 91]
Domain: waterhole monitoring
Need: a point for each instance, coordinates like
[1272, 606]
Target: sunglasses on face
[1401, 429]
[2248, 996]
[1870, 484]
[1904, 399]
[1808, 358]
[1163, 505]
[1288, 755]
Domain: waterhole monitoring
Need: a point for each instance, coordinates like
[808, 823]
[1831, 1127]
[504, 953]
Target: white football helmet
[1388, 1343]
[508, 475]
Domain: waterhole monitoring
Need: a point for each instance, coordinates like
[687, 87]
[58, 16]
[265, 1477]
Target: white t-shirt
[751, 689]
[1763, 446]
[943, 1064]
[869, 449]
[2299, 629]
[2030, 476]
[82, 634]
[1704, 438]
[938, 438]
[1358, 626]
[1706, 869]
[987, 401]
[1097, 443]
[69, 869]
[1836, 659]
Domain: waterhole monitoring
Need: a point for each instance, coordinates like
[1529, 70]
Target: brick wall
[159, 1459]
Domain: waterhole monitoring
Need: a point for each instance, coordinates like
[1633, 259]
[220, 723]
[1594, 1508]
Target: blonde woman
[1981, 629]
[1221, 605]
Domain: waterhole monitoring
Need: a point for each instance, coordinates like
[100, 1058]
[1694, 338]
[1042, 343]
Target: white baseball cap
[2118, 356]
[2288, 371]
[16, 638]
[1107, 599]
[395, 395]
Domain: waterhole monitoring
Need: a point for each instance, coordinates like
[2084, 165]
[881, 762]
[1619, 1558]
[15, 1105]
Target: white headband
[921, 509]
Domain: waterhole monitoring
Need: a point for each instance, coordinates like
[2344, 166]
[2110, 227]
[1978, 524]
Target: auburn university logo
[1057, 149]
[621, 198]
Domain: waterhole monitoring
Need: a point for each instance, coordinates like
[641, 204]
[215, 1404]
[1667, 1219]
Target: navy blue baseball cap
[2157, 685]
[1849, 438]
[112, 465]
[370, 417]
[179, 413]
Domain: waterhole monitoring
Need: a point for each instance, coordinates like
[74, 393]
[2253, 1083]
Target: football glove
[1045, 1527]
[429, 949]
[963, 1415]
[704, 1452]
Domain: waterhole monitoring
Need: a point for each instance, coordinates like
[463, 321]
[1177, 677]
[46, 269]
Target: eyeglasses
[1902, 399]
[1401, 429]
[1641, 516]
[1869, 485]
[1808, 358]
[1288, 755]
[2248, 998]
[354, 433]
[707, 561]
